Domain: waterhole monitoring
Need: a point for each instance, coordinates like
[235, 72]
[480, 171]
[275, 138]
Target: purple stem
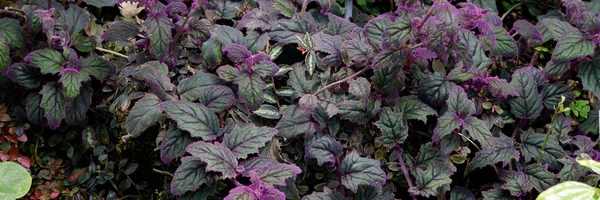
[404, 169]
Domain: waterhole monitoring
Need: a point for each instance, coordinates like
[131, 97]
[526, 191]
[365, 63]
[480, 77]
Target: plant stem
[539, 159]
[179, 32]
[510, 10]
[427, 15]
[533, 58]
[163, 172]
[111, 52]
[342, 81]
[356, 74]
[404, 170]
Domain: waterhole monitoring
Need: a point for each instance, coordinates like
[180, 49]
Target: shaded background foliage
[274, 99]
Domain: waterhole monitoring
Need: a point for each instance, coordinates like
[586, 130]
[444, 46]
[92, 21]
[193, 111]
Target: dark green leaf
[77, 109]
[11, 29]
[217, 157]
[293, 126]
[211, 52]
[144, 114]
[48, 60]
[552, 93]
[228, 35]
[84, 44]
[121, 30]
[515, 182]
[189, 176]
[268, 111]
[361, 171]
[54, 104]
[412, 108]
[503, 151]
[71, 81]
[556, 28]
[195, 118]
[434, 90]
[479, 131]
[398, 32]
[505, 44]
[225, 9]
[375, 29]
[96, 67]
[25, 75]
[393, 127]
[325, 149]
[461, 193]
[480, 60]
[355, 111]
[589, 72]
[430, 178]
[75, 18]
[217, 97]
[529, 104]
[4, 55]
[34, 112]
[327, 194]
[558, 69]
[285, 7]
[276, 173]
[287, 31]
[173, 144]
[199, 80]
[250, 89]
[531, 146]
[572, 45]
[246, 139]
[159, 83]
[446, 124]
[540, 178]
[158, 30]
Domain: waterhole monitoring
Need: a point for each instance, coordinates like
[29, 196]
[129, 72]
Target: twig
[510, 10]
[163, 172]
[404, 170]
[111, 52]
[533, 58]
[342, 81]
[427, 15]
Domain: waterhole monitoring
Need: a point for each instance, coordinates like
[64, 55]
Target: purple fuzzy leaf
[553, 93]
[276, 173]
[584, 145]
[198, 29]
[353, 110]
[412, 108]
[502, 151]
[189, 176]
[572, 45]
[229, 35]
[173, 144]
[557, 28]
[144, 114]
[286, 31]
[255, 19]
[224, 9]
[48, 60]
[325, 149]
[237, 53]
[562, 127]
[159, 83]
[361, 171]
[516, 182]
[246, 139]
[174, 9]
[486, 31]
[308, 101]
[54, 104]
[256, 190]
[195, 118]
[527, 30]
[331, 45]
[121, 30]
[448, 15]
[218, 158]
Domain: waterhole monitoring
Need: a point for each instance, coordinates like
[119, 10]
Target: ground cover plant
[284, 99]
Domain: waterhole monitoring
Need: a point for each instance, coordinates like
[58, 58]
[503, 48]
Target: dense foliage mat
[285, 99]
